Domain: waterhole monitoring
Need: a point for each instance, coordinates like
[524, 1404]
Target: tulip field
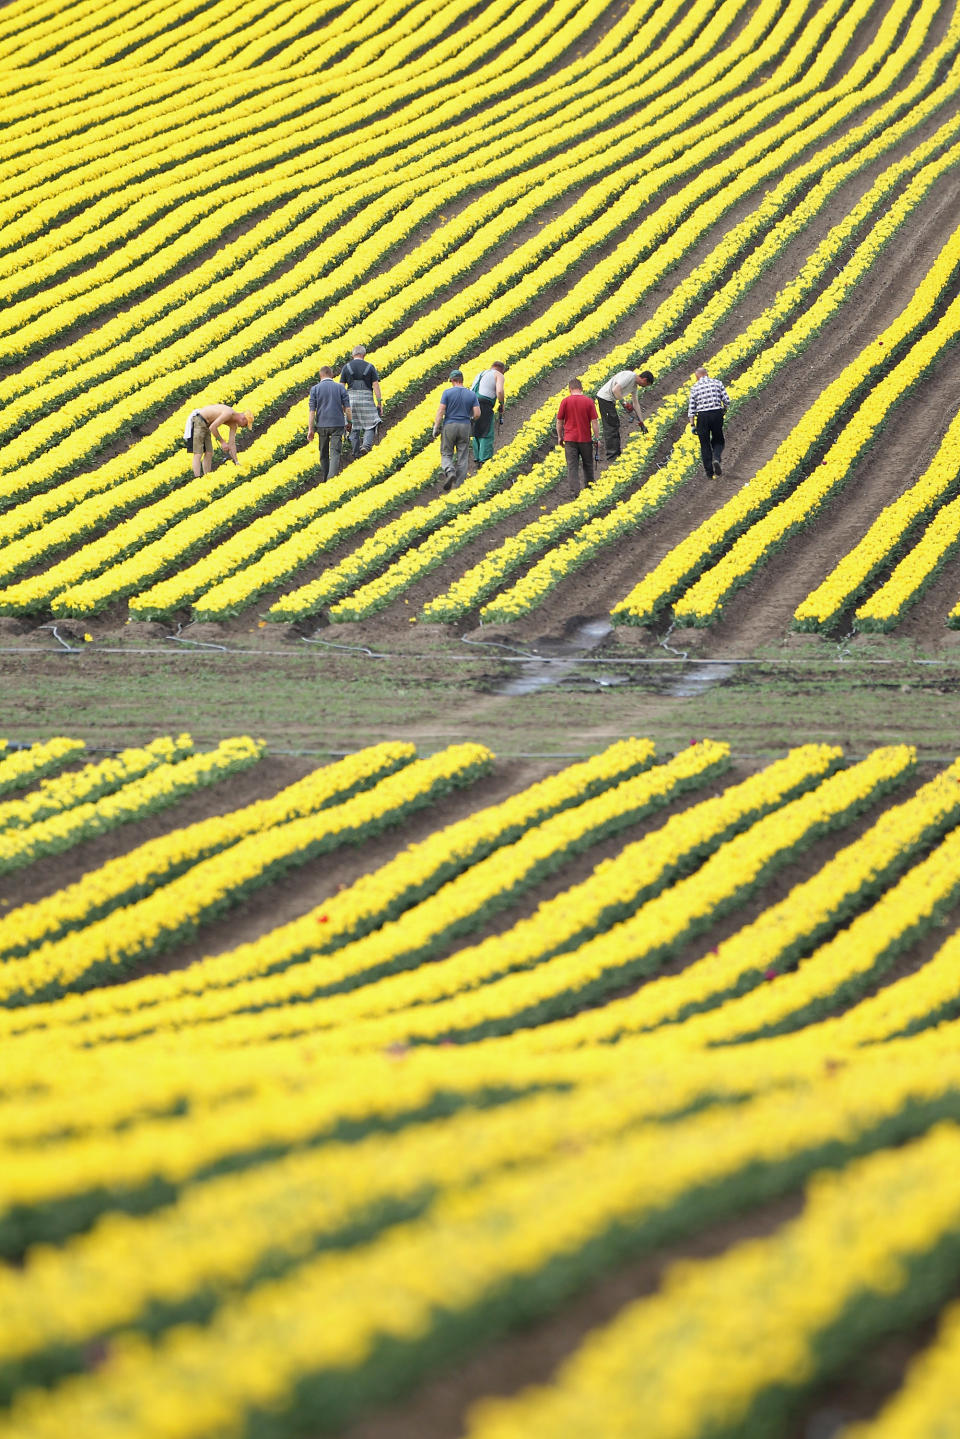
[402, 1038]
[766, 186]
[289, 1185]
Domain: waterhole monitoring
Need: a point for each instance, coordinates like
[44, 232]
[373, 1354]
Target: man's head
[700, 374]
[325, 372]
[575, 387]
[456, 377]
[246, 420]
[499, 365]
[644, 378]
[359, 351]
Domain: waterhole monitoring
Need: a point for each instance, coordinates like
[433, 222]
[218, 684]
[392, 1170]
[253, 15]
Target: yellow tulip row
[83, 597]
[607, 896]
[139, 872]
[232, 595]
[580, 78]
[840, 970]
[23, 766]
[885, 607]
[229, 597]
[523, 1238]
[79, 786]
[328, 988]
[783, 932]
[507, 998]
[218, 1232]
[249, 246]
[31, 515]
[921, 1407]
[464, 594]
[162, 784]
[106, 178]
[432, 177]
[232, 1110]
[885, 537]
[763, 1321]
[176, 910]
[615, 890]
[69, 1295]
[672, 576]
[704, 601]
[295, 219]
[592, 533]
[372, 900]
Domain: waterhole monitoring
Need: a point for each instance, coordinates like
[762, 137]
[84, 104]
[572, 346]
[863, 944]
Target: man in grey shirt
[329, 409]
[624, 386]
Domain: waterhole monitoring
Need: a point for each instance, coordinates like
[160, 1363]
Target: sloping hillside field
[480, 962]
[207, 203]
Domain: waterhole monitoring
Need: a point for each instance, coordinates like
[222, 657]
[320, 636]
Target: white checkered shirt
[707, 394]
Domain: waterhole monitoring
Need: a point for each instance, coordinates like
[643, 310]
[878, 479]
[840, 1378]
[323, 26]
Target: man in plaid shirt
[708, 401]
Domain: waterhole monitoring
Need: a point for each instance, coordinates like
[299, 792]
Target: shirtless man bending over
[206, 422]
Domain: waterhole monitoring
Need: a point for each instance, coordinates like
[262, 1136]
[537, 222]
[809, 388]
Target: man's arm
[438, 418]
[501, 391]
[377, 395]
[476, 412]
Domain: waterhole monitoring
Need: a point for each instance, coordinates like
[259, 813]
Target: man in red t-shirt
[578, 425]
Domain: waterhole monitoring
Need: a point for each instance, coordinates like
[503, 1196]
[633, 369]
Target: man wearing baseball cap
[457, 410]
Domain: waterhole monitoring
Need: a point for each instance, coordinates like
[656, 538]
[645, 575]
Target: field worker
[457, 410]
[329, 413]
[366, 401]
[206, 422]
[623, 387]
[488, 388]
[577, 427]
[705, 410]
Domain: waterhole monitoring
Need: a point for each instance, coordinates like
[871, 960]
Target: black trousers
[577, 453]
[330, 439]
[710, 435]
[611, 428]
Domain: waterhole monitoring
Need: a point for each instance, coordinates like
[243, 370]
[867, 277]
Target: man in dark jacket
[329, 409]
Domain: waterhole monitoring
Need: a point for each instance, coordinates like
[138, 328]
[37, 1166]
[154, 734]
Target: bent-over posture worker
[490, 393]
[705, 410]
[625, 387]
[577, 427]
[206, 422]
[329, 412]
[366, 401]
[457, 409]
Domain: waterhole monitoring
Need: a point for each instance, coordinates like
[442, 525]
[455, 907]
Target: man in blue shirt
[329, 409]
[458, 408]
